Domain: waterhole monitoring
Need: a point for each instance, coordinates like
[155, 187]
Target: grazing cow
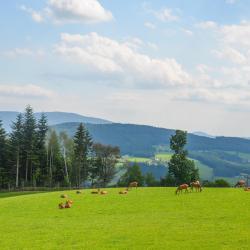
[182, 187]
[240, 183]
[78, 192]
[196, 185]
[133, 184]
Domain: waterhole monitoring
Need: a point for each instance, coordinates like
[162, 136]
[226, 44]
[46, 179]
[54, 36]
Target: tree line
[32, 155]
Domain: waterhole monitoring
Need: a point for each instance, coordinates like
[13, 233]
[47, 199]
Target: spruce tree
[40, 148]
[16, 139]
[82, 150]
[29, 138]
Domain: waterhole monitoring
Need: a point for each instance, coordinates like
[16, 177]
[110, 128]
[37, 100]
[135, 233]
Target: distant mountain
[53, 118]
[199, 133]
[227, 156]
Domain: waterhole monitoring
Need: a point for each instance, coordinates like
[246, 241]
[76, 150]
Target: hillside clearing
[147, 218]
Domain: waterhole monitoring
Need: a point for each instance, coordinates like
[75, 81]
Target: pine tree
[16, 139]
[40, 148]
[29, 138]
[82, 149]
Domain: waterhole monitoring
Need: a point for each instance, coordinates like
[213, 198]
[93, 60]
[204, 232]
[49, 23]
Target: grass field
[147, 218]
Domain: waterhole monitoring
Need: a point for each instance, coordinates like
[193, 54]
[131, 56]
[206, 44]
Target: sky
[181, 64]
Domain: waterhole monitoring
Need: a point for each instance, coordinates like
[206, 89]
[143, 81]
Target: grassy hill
[220, 156]
[147, 218]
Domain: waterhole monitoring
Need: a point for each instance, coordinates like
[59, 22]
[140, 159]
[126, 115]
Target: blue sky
[174, 64]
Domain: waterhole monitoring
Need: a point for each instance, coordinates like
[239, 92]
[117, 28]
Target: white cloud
[29, 90]
[152, 46]
[13, 53]
[35, 15]
[231, 54]
[108, 56]
[207, 25]
[71, 11]
[166, 15]
[149, 25]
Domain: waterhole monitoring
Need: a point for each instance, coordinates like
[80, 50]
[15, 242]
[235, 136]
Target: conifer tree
[82, 150]
[16, 139]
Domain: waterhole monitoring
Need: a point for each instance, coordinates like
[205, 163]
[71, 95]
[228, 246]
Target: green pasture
[146, 218]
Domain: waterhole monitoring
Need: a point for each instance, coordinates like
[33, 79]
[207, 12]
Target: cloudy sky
[170, 63]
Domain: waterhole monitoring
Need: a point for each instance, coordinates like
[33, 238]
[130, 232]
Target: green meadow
[146, 218]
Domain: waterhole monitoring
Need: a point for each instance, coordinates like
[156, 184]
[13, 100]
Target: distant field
[147, 218]
[206, 173]
[137, 159]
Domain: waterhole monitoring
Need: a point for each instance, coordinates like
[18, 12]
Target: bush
[216, 183]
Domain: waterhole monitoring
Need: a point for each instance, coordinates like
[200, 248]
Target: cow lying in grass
[95, 191]
[68, 204]
[123, 191]
[64, 196]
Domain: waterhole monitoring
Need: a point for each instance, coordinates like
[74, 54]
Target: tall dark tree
[82, 149]
[4, 171]
[40, 149]
[180, 167]
[29, 138]
[16, 140]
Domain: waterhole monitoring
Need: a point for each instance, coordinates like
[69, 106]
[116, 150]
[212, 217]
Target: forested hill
[142, 140]
[53, 118]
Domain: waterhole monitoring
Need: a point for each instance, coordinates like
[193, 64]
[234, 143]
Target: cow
[240, 183]
[182, 187]
[133, 184]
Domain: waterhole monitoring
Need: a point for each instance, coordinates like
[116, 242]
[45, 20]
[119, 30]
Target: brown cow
[104, 192]
[133, 184]
[61, 205]
[182, 187]
[123, 191]
[64, 196]
[240, 183]
[196, 185]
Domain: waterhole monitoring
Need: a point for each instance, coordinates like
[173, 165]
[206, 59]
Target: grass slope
[147, 218]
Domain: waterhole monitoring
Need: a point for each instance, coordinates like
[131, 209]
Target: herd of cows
[196, 185]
